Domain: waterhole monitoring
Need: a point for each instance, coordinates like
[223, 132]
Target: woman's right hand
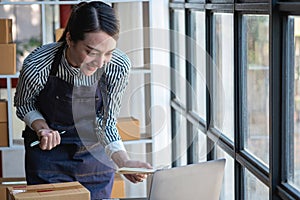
[48, 138]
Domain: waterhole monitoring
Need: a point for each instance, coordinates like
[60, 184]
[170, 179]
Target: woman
[69, 95]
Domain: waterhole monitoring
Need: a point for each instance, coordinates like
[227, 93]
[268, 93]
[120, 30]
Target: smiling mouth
[93, 66]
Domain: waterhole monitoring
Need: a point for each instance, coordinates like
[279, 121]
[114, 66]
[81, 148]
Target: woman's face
[92, 52]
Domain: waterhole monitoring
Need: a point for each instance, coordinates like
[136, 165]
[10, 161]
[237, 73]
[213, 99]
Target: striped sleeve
[117, 73]
[33, 77]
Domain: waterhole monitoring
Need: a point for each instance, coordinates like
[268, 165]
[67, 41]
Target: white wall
[131, 41]
[160, 61]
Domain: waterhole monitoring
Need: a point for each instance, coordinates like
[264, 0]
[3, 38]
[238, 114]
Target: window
[179, 142]
[293, 146]
[244, 105]
[198, 61]
[178, 50]
[255, 38]
[228, 180]
[255, 189]
[222, 70]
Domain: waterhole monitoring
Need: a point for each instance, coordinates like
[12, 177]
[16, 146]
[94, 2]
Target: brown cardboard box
[8, 58]
[57, 191]
[58, 33]
[3, 110]
[8, 182]
[6, 31]
[118, 190]
[3, 134]
[129, 128]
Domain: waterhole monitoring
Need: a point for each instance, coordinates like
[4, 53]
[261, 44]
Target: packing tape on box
[23, 189]
[8, 183]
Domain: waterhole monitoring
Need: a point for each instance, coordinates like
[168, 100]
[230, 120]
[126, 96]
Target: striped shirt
[34, 75]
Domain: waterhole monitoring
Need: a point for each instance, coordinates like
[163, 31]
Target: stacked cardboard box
[6, 31]
[118, 190]
[7, 48]
[3, 124]
[9, 182]
[129, 128]
[8, 186]
[58, 33]
[58, 191]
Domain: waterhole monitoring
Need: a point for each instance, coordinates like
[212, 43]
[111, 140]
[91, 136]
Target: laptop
[194, 182]
[201, 181]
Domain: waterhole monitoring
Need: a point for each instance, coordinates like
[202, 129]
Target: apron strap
[57, 58]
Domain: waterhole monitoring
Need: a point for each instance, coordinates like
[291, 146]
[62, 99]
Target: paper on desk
[133, 170]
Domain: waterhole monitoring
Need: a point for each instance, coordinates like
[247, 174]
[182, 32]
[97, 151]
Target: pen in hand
[38, 142]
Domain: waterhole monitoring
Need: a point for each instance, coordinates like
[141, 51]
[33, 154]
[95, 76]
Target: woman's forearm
[39, 124]
[120, 158]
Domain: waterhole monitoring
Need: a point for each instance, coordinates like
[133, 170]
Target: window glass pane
[178, 51]
[255, 33]
[223, 112]
[199, 147]
[52, 22]
[228, 180]
[254, 188]
[179, 140]
[294, 106]
[198, 62]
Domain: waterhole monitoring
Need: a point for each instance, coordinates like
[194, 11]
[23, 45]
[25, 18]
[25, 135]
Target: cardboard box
[8, 59]
[6, 31]
[118, 190]
[58, 33]
[129, 128]
[57, 191]
[3, 124]
[3, 134]
[9, 182]
[3, 110]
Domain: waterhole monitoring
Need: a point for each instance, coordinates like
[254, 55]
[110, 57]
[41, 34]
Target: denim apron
[79, 157]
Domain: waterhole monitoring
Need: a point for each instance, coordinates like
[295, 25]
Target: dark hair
[91, 17]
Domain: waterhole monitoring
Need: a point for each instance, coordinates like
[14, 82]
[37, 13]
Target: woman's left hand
[136, 178]
[122, 160]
